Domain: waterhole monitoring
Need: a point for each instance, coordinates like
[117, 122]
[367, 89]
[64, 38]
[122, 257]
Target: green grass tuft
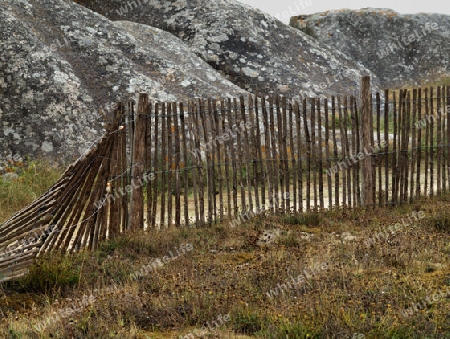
[34, 180]
[50, 275]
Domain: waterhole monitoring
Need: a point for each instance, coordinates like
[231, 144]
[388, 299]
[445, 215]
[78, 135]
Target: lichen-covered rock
[252, 49]
[398, 48]
[61, 65]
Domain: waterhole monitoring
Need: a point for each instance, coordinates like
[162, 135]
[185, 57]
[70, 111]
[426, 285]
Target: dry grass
[360, 292]
[433, 81]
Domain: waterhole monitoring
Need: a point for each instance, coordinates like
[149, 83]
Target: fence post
[366, 130]
[138, 167]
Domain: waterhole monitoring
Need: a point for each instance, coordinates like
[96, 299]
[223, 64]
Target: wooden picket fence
[194, 164]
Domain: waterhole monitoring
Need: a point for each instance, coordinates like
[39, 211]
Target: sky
[284, 9]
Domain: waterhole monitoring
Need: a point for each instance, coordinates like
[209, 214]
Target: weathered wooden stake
[366, 116]
[138, 169]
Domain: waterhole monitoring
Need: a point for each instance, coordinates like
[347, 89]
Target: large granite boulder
[252, 49]
[62, 66]
[400, 49]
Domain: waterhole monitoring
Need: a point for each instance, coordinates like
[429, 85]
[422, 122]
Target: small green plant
[13, 334]
[440, 222]
[306, 219]
[50, 275]
[401, 333]
[291, 220]
[289, 240]
[108, 247]
[247, 322]
[291, 330]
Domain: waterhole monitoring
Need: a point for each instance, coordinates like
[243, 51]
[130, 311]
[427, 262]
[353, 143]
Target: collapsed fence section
[65, 218]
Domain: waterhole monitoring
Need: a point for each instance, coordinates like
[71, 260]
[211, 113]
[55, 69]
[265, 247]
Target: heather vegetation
[332, 274]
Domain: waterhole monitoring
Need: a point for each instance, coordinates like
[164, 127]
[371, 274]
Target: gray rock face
[252, 49]
[398, 48]
[61, 65]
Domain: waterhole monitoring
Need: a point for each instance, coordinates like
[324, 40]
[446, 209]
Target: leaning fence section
[66, 217]
[196, 163]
